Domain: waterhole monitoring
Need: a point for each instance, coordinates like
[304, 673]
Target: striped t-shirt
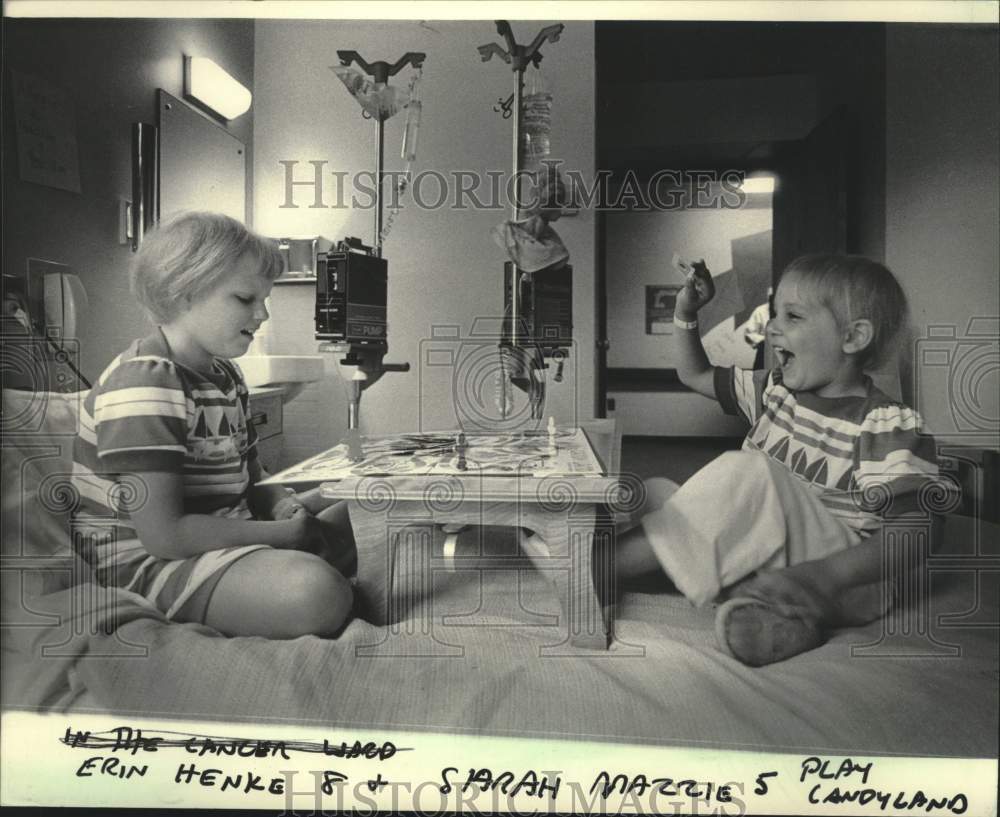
[147, 412]
[867, 457]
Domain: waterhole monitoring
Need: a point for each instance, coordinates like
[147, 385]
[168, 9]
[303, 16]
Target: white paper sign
[46, 133]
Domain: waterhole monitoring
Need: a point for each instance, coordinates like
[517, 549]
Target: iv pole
[380, 72]
[519, 57]
[368, 358]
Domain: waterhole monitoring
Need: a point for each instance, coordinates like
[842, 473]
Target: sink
[290, 372]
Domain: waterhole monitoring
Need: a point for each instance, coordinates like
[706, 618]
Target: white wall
[110, 70]
[640, 247]
[443, 265]
[942, 182]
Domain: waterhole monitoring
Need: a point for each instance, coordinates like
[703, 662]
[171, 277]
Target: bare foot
[794, 585]
[784, 587]
[864, 603]
[772, 616]
[777, 614]
[757, 632]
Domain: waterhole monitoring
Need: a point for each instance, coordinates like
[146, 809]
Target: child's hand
[697, 291]
[312, 538]
[285, 507]
[306, 531]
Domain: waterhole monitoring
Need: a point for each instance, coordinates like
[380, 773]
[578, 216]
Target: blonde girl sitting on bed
[167, 451]
[790, 528]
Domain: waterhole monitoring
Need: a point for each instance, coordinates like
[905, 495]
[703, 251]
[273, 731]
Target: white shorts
[740, 513]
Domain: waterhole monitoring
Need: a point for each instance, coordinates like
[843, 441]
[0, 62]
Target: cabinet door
[266, 417]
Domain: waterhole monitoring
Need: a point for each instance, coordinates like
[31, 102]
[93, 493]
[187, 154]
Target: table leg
[570, 541]
[395, 582]
[569, 536]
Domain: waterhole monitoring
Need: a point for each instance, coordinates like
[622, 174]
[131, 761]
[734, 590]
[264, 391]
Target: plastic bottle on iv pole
[536, 122]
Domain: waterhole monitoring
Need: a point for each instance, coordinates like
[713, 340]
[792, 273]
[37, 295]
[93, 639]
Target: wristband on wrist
[685, 324]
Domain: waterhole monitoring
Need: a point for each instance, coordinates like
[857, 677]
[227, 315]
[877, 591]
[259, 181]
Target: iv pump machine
[351, 295]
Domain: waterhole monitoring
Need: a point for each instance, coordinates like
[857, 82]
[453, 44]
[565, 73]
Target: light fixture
[758, 184]
[206, 82]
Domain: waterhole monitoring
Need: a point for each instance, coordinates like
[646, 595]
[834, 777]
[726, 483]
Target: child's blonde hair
[853, 288]
[189, 254]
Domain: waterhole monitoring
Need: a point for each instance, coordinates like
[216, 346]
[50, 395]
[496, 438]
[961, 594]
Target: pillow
[37, 493]
[41, 414]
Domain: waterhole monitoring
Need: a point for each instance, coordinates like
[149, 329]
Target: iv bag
[378, 99]
[536, 119]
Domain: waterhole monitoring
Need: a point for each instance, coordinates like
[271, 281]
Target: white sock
[533, 545]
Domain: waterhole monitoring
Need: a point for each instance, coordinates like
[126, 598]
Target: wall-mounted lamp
[209, 84]
[758, 184]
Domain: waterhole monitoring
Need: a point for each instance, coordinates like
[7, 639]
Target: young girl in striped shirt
[789, 529]
[166, 462]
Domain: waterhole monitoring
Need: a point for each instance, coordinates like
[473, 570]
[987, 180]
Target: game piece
[682, 266]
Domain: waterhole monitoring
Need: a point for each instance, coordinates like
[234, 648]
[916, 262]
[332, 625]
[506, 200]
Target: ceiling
[714, 95]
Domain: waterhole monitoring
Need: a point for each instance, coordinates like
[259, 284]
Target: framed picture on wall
[46, 133]
[660, 301]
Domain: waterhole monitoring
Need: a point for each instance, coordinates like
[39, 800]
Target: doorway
[758, 101]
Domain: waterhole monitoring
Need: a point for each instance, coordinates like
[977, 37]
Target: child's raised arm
[167, 532]
[693, 366]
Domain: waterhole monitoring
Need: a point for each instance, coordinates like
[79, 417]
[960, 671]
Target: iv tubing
[515, 205]
[379, 165]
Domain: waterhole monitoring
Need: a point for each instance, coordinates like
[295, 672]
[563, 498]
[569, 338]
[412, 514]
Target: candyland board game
[532, 454]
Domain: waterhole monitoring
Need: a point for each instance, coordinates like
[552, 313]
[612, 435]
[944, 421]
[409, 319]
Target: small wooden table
[567, 512]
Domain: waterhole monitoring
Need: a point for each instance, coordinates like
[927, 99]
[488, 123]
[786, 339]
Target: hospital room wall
[109, 70]
[942, 187]
[641, 245]
[444, 268]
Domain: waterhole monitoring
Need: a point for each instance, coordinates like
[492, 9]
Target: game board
[533, 454]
